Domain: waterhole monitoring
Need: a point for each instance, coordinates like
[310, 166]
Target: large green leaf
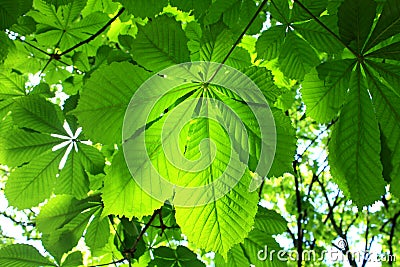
[10, 10]
[181, 256]
[72, 179]
[269, 43]
[354, 150]
[98, 232]
[355, 21]
[160, 43]
[22, 255]
[388, 24]
[219, 225]
[73, 259]
[324, 89]
[391, 51]
[386, 104]
[20, 146]
[316, 7]
[198, 7]
[31, 184]
[122, 195]
[215, 44]
[63, 220]
[144, 8]
[102, 117]
[36, 113]
[63, 27]
[240, 14]
[11, 84]
[61, 210]
[318, 37]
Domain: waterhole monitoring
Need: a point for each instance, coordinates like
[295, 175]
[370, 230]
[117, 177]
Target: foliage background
[328, 68]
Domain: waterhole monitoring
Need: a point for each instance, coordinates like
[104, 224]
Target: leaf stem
[260, 8]
[325, 27]
[92, 37]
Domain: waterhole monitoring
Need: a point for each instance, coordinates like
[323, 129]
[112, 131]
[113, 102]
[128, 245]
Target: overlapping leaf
[62, 26]
[21, 255]
[267, 224]
[360, 148]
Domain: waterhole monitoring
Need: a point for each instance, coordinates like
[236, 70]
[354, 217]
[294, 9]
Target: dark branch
[260, 8]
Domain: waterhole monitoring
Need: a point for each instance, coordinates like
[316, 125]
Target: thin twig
[92, 37]
[325, 27]
[260, 8]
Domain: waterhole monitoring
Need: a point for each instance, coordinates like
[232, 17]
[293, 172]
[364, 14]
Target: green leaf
[269, 43]
[61, 210]
[5, 45]
[390, 72]
[58, 3]
[218, 225]
[265, 81]
[36, 113]
[240, 14]
[10, 10]
[316, 7]
[318, 37]
[144, 8]
[91, 158]
[11, 84]
[63, 220]
[285, 144]
[100, 116]
[63, 26]
[122, 195]
[217, 8]
[324, 89]
[73, 259]
[64, 239]
[24, 26]
[391, 51]
[215, 44]
[297, 58]
[21, 255]
[267, 224]
[98, 232]
[31, 184]
[280, 11]
[159, 44]
[354, 150]
[387, 26]
[386, 104]
[355, 21]
[19, 146]
[72, 179]
[182, 256]
[198, 7]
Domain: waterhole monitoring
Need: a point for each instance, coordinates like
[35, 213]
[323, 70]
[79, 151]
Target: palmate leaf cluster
[94, 55]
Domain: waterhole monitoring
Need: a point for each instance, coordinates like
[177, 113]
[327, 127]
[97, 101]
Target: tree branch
[299, 216]
[92, 37]
[260, 8]
[325, 27]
